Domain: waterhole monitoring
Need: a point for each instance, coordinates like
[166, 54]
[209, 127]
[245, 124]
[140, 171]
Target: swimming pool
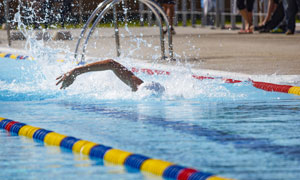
[232, 130]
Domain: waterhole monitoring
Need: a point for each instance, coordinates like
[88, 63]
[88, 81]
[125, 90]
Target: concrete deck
[204, 48]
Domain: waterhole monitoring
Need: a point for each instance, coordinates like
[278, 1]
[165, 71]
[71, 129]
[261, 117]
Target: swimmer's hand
[67, 79]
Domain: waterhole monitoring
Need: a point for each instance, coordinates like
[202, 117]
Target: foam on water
[37, 78]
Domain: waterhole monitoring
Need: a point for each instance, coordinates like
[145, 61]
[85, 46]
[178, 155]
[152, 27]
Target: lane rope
[260, 85]
[157, 167]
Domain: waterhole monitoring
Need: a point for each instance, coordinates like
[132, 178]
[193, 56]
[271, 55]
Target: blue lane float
[158, 167]
[14, 56]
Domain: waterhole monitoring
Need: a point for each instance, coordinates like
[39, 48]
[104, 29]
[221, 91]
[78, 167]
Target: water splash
[36, 80]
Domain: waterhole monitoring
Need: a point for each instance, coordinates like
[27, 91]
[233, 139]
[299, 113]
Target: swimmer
[120, 71]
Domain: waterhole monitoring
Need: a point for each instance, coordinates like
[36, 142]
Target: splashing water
[36, 79]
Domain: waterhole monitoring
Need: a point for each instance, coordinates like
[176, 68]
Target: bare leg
[250, 20]
[247, 17]
[244, 14]
[120, 71]
[169, 9]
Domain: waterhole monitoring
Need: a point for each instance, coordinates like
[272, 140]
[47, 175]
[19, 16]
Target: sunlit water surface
[233, 130]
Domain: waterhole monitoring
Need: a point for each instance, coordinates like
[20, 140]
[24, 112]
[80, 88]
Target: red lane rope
[161, 72]
[271, 87]
[260, 85]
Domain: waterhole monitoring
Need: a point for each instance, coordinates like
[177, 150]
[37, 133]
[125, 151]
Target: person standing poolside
[168, 6]
[293, 6]
[272, 6]
[246, 7]
[277, 19]
[119, 70]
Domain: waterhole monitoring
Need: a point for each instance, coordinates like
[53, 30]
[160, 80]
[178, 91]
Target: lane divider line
[157, 167]
[14, 56]
[20, 57]
[260, 85]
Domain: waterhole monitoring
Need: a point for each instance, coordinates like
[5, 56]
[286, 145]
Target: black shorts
[276, 1]
[166, 1]
[245, 4]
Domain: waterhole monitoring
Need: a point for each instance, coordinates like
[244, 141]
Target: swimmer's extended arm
[121, 72]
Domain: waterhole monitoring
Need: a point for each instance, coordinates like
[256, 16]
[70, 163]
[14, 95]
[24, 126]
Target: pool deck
[203, 48]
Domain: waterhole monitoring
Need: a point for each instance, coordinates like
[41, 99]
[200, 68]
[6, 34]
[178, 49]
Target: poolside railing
[186, 12]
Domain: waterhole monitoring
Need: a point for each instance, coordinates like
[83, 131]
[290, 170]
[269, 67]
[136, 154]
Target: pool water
[232, 130]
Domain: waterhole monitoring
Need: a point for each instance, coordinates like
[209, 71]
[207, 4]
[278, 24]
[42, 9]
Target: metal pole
[98, 19]
[255, 17]
[86, 25]
[217, 10]
[164, 16]
[193, 8]
[152, 5]
[184, 11]
[160, 24]
[222, 8]
[141, 10]
[80, 11]
[176, 13]
[233, 13]
[204, 17]
[117, 37]
[149, 17]
[6, 4]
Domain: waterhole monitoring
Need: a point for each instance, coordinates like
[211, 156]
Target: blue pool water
[232, 130]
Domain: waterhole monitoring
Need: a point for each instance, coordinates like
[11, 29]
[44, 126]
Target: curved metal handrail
[100, 17]
[156, 9]
[167, 24]
[90, 19]
[161, 33]
[162, 40]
